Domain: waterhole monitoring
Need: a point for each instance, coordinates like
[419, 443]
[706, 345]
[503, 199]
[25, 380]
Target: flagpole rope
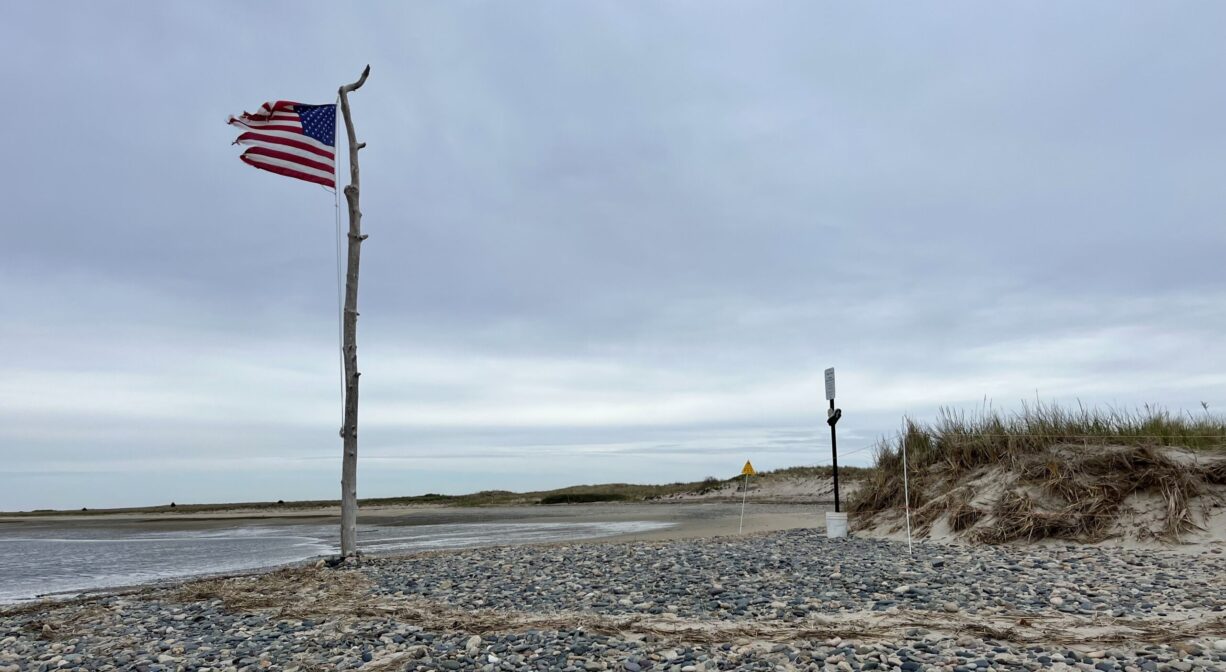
[340, 305]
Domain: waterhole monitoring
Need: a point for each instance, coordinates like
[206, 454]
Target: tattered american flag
[291, 139]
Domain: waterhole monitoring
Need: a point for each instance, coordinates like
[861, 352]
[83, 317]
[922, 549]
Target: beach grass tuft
[1062, 473]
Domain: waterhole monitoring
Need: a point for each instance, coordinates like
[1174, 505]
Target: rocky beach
[781, 600]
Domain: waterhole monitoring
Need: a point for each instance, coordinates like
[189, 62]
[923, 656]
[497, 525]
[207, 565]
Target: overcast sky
[608, 240]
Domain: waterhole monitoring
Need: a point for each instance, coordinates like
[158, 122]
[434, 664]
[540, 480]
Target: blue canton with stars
[318, 122]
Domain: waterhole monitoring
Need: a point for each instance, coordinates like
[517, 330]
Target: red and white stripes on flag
[291, 139]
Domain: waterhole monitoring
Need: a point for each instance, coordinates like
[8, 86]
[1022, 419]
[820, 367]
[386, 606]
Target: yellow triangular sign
[748, 470]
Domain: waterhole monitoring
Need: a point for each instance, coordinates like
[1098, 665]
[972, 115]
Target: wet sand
[687, 519]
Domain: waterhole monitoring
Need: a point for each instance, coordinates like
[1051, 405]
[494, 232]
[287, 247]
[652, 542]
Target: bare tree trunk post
[349, 431]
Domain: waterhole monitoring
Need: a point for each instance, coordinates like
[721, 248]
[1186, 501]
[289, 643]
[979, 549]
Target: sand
[688, 519]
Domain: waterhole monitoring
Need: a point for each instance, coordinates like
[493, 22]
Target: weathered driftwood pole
[349, 432]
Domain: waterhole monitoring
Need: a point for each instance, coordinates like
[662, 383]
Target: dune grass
[1069, 470]
[583, 498]
[847, 472]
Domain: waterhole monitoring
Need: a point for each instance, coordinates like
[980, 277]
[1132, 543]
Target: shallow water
[49, 560]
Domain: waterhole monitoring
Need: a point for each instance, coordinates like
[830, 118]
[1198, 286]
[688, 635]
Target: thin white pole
[906, 490]
[744, 496]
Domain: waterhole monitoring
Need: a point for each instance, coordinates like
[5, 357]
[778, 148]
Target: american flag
[291, 139]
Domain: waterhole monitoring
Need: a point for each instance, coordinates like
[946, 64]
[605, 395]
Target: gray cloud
[609, 241]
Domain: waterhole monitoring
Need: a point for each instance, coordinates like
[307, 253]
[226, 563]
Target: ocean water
[57, 560]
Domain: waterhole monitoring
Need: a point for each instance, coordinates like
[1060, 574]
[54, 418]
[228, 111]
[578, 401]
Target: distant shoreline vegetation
[576, 494]
[583, 498]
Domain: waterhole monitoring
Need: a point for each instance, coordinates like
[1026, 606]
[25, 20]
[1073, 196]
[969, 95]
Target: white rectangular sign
[830, 384]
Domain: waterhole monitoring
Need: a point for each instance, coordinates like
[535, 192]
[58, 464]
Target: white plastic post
[744, 496]
[906, 491]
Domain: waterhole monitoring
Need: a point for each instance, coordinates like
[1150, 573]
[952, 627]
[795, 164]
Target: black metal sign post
[832, 418]
[834, 455]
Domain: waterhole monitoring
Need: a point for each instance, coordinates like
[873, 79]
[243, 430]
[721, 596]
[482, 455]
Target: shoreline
[679, 521]
[685, 519]
[669, 511]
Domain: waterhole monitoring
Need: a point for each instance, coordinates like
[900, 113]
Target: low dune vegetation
[575, 494]
[1049, 472]
[583, 498]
